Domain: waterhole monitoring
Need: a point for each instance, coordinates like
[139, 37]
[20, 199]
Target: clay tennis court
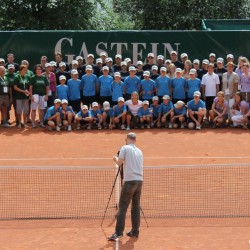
[161, 147]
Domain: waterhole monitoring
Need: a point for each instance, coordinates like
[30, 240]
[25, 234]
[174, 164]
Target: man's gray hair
[131, 136]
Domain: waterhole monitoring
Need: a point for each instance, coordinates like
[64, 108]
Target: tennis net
[205, 191]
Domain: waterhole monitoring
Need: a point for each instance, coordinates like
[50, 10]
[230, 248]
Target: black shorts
[75, 104]
[105, 99]
[209, 102]
[88, 100]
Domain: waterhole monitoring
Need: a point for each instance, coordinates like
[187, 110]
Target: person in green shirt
[39, 91]
[22, 95]
[5, 96]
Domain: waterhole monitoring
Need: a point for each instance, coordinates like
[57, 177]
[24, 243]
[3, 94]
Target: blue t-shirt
[132, 84]
[179, 85]
[74, 89]
[147, 86]
[117, 90]
[119, 110]
[194, 107]
[165, 108]
[163, 85]
[192, 86]
[105, 83]
[182, 111]
[81, 114]
[88, 85]
[50, 112]
[94, 113]
[155, 110]
[62, 92]
[109, 112]
[141, 112]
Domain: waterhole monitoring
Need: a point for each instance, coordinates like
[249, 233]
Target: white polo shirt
[210, 82]
[133, 107]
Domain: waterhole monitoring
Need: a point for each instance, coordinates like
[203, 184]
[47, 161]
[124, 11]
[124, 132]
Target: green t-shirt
[22, 82]
[39, 84]
[10, 78]
[4, 85]
[30, 73]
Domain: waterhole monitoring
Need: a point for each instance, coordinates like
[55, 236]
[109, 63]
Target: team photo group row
[108, 95]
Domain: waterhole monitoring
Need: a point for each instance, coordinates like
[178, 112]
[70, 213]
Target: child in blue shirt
[145, 114]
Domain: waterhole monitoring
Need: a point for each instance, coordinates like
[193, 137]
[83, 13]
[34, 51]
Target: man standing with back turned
[132, 159]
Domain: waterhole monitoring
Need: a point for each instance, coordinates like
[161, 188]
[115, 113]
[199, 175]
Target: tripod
[120, 170]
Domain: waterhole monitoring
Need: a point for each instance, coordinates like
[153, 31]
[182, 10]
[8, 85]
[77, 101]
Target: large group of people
[107, 94]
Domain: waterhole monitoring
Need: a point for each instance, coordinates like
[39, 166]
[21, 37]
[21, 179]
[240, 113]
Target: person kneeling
[144, 114]
[179, 114]
[67, 115]
[83, 117]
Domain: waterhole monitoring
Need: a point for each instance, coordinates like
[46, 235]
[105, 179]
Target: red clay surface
[38, 147]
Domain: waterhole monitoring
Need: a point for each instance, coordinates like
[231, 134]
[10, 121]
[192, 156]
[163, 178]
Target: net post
[117, 187]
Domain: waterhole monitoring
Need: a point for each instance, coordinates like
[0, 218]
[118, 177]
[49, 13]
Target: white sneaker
[198, 127]
[122, 127]
[19, 125]
[170, 125]
[182, 125]
[128, 128]
[69, 128]
[58, 129]
[148, 126]
[78, 127]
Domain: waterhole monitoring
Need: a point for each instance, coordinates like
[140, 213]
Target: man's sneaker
[170, 125]
[60, 124]
[115, 237]
[132, 235]
[58, 129]
[89, 127]
[148, 126]
[128, 128]
[42, 125]
[99, 126]
[33, 125]
[26, 126]
[198, 127]
[182, 125]
[6, 125]
[69, 128]
[152, 124]
[122, 127]
[78, 127]
[19, 125]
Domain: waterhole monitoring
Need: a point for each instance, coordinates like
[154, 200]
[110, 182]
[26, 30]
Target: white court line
[108, 158]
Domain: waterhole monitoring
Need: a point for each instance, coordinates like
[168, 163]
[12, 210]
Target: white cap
[90, 55]
[192, 71]
[146, 73]
[154, 67]
[230, 56]
[139, 63]
[106, 105]
[98, 60]
[57, 101]
[74, 72]
[123, 63]
[121, 99]
[131, 68]
[62, 77]
[196, 61]
[95, 104]
[84, 107]
[179, 104]
[103, 53]
[89, 67]
[105, 68]
[184, 55]
[168, 61]
[127, 60]
[220, 60]
[74, 62]
[155, 98]
[166, 97]
[145, 102]
[62, 64]
[173, 52]
[197, 93]
[47, 65]
[2, 60]
[178, 70]
[118, 56]
[163, 69]
[205, 61]
[160, 57]
[53, 63]
[151, 54]
[79, 58]
[212, 55]
[117, 74]
[11, 66]
[109, 59]
[64, 101]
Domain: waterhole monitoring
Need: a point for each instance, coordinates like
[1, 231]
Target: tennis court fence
[204, 191]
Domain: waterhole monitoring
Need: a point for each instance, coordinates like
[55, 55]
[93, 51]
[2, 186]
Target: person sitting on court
[144, 114]
[179, 114]
[120, 112]
[219, 111]
[53, 116]
[96, 115]
[83, 117]
[166, 112]
[133, 106]
[107, 116]
[154, 109]
[196, 111]
[67, 115]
